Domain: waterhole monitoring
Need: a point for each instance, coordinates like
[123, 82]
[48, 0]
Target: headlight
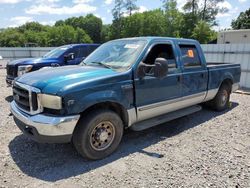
[50, 101]
[24, 69]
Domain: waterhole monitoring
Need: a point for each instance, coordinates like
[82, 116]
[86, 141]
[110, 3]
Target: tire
[221, 100]
[98, 134]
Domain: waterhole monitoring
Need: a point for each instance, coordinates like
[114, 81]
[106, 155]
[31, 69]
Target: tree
[117, 24]
[131, 6]
[82, 37]
[173, 17]
[106, 33]
[190, 18]
[243, 21]
[133, 25]
[91, 24]
[210, 9]
[203, 33]
[154, 23]
[191, 6]
[11, 38]
[32, 26]
[65, 34]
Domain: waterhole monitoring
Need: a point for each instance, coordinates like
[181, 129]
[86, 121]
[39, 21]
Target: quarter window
[190, 56]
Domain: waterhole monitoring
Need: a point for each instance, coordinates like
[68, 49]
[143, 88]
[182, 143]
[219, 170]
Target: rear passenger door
[194, 74]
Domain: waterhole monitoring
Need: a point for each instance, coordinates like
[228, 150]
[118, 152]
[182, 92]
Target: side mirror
[161, 68]
[69, 57]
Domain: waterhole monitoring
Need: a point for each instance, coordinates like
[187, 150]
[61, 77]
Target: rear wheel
[221, 100]
[98, 135]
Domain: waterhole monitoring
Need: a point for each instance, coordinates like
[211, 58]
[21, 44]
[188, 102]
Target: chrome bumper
[46, 125]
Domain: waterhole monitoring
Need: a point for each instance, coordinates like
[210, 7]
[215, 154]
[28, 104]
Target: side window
[190, 56]
[75, 51]
[162, 51]
[83, 52]
[91, 49]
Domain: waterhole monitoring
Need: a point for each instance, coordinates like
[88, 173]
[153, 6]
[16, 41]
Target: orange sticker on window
[191, 53]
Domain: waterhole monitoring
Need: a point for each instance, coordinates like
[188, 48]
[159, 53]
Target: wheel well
[227, 82]
[115, 107]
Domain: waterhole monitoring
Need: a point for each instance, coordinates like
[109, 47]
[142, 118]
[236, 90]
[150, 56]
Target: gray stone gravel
[206, 149]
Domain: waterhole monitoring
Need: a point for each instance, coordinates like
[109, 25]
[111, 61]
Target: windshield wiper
[102, 64]
[83, 63]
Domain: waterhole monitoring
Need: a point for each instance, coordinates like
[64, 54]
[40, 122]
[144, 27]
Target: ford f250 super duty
[65, 55]
[132, 83]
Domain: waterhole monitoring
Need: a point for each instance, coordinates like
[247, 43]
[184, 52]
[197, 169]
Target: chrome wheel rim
[102, 136]
[224, 98]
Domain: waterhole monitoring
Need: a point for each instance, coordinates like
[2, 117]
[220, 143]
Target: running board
[165, 118]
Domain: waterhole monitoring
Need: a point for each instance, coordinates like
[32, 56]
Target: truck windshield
[56, 53]
[119, 54]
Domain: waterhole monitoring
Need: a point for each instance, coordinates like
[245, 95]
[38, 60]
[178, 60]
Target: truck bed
[221, 65]
[217, 72]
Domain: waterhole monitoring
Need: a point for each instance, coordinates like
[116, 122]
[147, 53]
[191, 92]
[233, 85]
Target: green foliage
[173, 17]
[203, 33]
[43, 35]
[131, 6]
[243, 21]
[194, 21]
[91, 24]
[11, 38]
[65, 34]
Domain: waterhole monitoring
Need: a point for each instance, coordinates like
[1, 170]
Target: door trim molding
[155, 105]
[156, 109]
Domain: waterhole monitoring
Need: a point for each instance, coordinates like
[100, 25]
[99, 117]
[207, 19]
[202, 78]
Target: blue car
[65, 55]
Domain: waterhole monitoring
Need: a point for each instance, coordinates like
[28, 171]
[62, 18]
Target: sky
[17, 12]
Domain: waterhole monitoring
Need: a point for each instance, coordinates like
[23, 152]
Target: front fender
[83, 102]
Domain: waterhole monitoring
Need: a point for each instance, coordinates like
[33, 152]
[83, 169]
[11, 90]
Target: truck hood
[32, 61]
[59, 79]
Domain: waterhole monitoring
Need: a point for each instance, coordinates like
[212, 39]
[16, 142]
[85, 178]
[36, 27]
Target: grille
[11, 70]
[26, 98]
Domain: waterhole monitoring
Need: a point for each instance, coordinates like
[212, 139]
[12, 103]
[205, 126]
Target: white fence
[231, 53]
[18, 53]
[221, 53]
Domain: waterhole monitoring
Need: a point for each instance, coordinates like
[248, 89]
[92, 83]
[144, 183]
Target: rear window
[190, 56]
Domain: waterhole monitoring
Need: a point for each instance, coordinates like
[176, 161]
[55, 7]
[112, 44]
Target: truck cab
[62, 56]
[131, 83]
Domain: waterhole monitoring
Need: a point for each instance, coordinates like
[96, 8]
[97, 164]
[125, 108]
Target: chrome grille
[11, 70]
[26, 98]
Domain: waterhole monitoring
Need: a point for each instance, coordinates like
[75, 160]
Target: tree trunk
[204, 10]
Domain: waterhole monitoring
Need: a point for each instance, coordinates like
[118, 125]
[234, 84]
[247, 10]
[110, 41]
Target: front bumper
[45, 129]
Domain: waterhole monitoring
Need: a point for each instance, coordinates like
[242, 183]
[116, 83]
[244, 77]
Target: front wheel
[98, 135]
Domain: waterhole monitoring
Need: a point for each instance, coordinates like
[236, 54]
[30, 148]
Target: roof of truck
[76, 45]
[151, 38]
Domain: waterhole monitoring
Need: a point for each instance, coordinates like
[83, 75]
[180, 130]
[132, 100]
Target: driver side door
[157, 96]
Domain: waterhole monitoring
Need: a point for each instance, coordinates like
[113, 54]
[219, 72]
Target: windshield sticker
[132, 46]
[191, 53]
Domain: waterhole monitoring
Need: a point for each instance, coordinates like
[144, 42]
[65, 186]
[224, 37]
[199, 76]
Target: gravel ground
[206, 149]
